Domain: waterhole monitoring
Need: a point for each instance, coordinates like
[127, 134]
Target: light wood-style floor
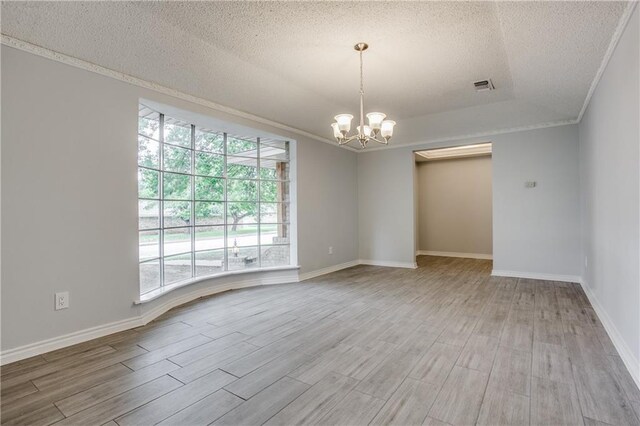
[443, 344]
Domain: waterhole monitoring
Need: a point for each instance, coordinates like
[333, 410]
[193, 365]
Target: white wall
[69, 198]
[535, 231]
[454, 205]
[610, 158]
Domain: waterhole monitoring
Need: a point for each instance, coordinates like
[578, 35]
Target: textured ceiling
[292, 62]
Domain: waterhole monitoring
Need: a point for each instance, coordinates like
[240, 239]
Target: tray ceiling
[293, 62]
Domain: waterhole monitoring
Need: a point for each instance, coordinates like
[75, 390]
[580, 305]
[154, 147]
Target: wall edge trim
[478, 135]
[156, 87]
[454, 254]
[107, 72]
[80, 336]
[388, 263]
[613, 43]
[629, 360]
[327, 270]
[537, 276]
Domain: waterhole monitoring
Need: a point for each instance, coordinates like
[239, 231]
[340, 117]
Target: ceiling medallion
[378, 126]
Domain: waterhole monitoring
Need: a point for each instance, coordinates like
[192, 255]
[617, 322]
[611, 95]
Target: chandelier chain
[361, 75]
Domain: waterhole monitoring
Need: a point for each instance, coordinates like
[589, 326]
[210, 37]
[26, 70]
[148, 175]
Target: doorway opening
[454, 200]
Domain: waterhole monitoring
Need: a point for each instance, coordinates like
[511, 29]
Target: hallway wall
[536, 231]
[455, 206]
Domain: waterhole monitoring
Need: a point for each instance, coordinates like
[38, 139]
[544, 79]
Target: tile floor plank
[461, 396]
[446, 343]
[554, 403]
[409, 404]
[265, 404]
[165, 406]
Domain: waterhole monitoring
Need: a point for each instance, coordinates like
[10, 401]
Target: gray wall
[69, 148]
[610, 157]
[537, 230]
[386, 206]
[534, 230]
[454, 205]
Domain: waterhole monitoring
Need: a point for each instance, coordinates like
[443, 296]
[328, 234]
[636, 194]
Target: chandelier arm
[385, 142]
[347, 140]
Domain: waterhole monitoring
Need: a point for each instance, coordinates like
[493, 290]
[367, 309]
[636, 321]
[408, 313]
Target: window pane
[149, 123]
[209, 213]
[177, 241]
[243, 147]
[242, 190]
[177, 133]
[177, 268]
[148, 181]
[149, 276]
[209, 188]
[274, 234]
[209, 164]
[242, 235]
[177, 187]
[216, 203]
[274, 256]
[148, 152]
[274, 191]
[148, 214]
[274, 170]
[148, 245]
[209, 237]
[209, 262]
[242, 258]
[177, 159]
[274, 213]
[274, 150]
[177, 213]
[209, 141]
[243, 212]
[242, 168]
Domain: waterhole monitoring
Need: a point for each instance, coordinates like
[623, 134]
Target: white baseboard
[390, 264]
[327, 270]
[59, 342]
[537, 276]
[55, 343]
[630, 361]
[454, 254]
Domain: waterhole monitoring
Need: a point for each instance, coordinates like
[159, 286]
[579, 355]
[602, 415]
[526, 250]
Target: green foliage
[209, 164]
[242, 191]
[209, 141]
[241, 147]
[177, 134]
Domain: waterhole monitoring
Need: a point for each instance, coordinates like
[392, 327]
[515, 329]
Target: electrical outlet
[530, 184]
[61, 300]
[330, 250]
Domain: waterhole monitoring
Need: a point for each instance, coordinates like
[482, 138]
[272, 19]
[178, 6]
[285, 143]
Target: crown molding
[622, 24]
[88, 66]
[107, 72]
[478, 135]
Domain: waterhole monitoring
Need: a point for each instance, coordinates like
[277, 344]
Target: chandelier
[378, 130]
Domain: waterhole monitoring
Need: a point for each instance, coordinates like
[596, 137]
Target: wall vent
[483, 85]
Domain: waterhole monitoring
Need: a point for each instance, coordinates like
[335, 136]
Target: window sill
[155, 294]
